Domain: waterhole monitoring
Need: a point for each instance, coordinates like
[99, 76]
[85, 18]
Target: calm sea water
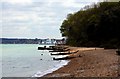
[24, 60]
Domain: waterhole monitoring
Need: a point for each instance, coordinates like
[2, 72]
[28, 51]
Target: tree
[95, 25]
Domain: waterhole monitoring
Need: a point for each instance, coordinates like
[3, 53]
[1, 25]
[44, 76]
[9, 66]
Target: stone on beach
[90, 62]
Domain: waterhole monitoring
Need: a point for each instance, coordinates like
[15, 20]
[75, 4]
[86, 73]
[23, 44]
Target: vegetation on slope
[95, 25]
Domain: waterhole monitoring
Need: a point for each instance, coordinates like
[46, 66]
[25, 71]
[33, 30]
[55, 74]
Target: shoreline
[89, 62]
[58, 66]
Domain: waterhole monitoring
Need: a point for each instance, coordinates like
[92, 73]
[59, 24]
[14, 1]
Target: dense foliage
[97, 25]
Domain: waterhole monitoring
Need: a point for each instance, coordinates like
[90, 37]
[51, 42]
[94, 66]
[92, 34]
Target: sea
[25, 60]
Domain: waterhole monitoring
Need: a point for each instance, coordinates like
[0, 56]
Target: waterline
[56, 67]
[24, 60]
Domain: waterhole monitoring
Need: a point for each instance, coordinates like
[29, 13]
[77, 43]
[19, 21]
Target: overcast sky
[36, 18]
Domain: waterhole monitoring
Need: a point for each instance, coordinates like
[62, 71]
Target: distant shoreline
[28, 41]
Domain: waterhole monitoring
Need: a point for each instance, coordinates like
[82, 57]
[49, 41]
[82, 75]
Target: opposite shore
[90, 62]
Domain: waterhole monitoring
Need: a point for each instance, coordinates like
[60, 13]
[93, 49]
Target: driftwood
[64, 58]
[75, 51]
[60, 53]
[64, 53]
[59, 50]
[54, 48]
[44, 48]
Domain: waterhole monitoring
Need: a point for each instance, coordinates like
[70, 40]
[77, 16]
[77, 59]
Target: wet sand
[90, 62]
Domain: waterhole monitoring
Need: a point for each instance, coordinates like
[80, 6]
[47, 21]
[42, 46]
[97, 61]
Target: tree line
[96, 25]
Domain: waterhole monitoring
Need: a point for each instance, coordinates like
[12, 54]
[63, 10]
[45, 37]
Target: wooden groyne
[47, 48]
[54, 48]
[60, 53]
[44, 48]
[64, 58]
[64, 53]
[59, 50]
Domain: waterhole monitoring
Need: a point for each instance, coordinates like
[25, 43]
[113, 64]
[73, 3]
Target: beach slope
[90, 62]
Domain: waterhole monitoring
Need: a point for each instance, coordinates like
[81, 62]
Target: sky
[36, 18]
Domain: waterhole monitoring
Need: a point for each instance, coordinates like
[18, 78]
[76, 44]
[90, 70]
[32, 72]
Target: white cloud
[37, 18]
[77, 3]
[17, 31]
[15, 18]
[70, 3]
[18, 1]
